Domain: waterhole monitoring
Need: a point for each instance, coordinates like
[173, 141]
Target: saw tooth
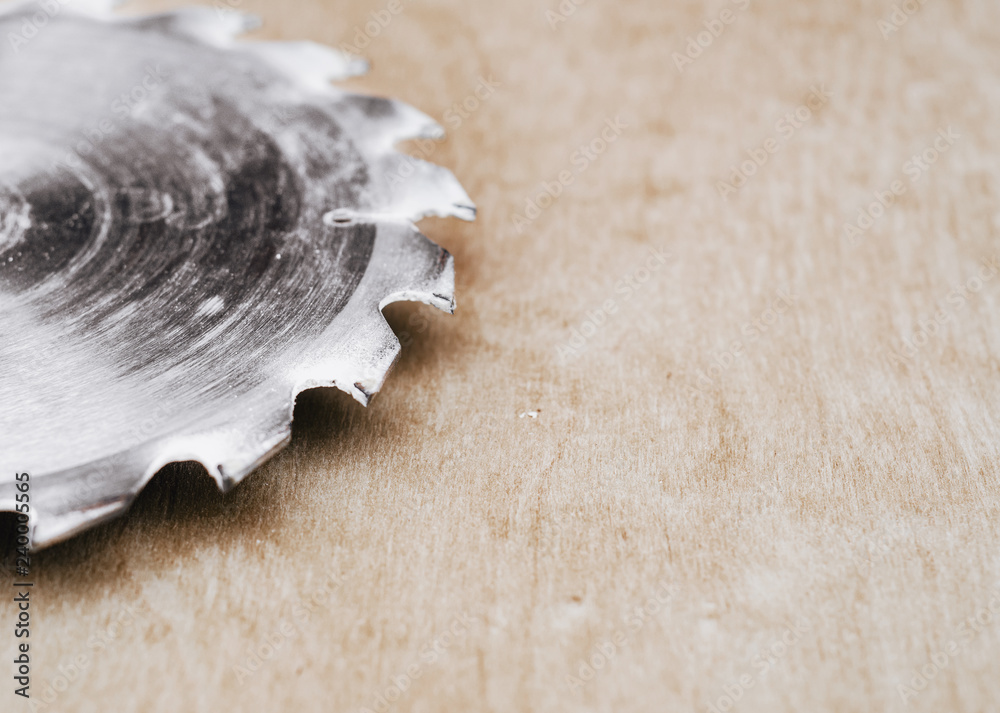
[213, 26]
[67, 502]
[357, 367]
[231, 451]
[425, 271]
[378, 124]
[52, 528]
[407, 266]
[369, 371]
[418, 189]
[311, 64]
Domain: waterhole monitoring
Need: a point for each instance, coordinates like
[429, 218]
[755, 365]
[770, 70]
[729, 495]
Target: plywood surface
[694, 450]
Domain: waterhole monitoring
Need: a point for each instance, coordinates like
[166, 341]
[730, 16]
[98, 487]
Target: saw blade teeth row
[229, 452]
[423, 272]
[356, 351]
[417, 188]
[403, 184]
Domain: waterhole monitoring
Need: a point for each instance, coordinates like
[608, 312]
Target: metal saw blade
[193, 229]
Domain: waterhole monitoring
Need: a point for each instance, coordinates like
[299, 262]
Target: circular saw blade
[193, 229]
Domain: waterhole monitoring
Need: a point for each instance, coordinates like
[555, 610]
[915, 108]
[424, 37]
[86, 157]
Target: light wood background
[818, 521]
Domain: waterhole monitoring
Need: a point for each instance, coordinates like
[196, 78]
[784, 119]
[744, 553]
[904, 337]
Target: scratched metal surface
[193, 229]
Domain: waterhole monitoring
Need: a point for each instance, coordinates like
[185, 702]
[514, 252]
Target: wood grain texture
[806, 527]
